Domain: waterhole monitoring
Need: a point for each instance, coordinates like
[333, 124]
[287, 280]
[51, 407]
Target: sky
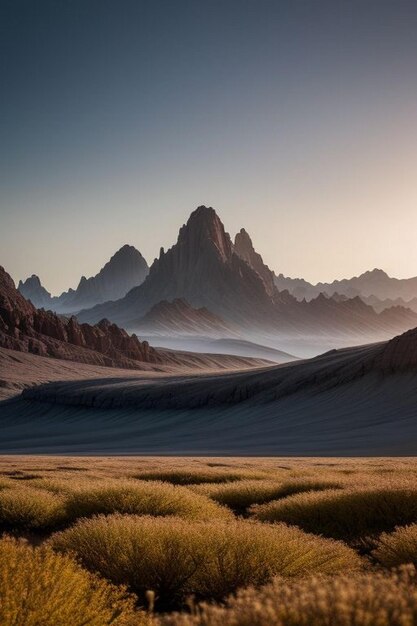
[294, 119]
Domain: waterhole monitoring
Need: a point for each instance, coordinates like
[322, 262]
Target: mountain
[375, 283]
[207, 270]
[126, 269]
[203, 269]
[33, 290]
[179, 317]
[355, 401]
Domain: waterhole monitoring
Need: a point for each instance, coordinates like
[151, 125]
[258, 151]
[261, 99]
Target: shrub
[239, 496]
[398, 547]
[195, 477]
[142, 498]
[23, 508]
[367, 599]
[41, 588]
[176, 558]
[346, 514]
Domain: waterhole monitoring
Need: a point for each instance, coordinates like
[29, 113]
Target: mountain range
[229, 279]
[126, 269]
[375, 287]
[209, 285]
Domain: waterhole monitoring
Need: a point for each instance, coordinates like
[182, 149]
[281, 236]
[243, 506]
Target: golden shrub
[241, 495]
[366, 599]
[25, 508]
[141, 498]
[196, 477]
[41, 588]
[176, 558]
[397, 548]
[343, 514]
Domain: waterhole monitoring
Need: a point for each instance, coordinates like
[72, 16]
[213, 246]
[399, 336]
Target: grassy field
[207, 541]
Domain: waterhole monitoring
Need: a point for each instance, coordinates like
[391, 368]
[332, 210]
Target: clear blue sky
[294, 119]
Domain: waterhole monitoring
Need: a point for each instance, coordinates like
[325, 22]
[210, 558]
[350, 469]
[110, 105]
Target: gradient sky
[295, 119]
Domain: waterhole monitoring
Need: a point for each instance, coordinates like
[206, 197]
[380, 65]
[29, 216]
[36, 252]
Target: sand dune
[20, 370]
[348, 402]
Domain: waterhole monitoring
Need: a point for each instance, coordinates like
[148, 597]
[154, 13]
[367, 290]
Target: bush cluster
[176, 558]
[366, 599]
[343, 514]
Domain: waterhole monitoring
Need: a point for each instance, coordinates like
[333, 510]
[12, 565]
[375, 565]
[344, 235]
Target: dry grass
[198, 477]
[41, 588]
[176, 558]
[169, 525]
[23, 509]
[397, 548]
[241, 495]
[343, 514]
[378, 599]
[141, 498]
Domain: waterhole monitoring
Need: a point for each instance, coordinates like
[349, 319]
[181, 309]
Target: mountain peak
[33, 290]
[376, 272]
[126, 251]
[33, 280]
[203, 230]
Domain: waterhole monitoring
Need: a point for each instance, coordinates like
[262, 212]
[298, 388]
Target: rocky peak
[243, 247]
[375, 273]
[33, 290]
[204, 230]
[32, 281]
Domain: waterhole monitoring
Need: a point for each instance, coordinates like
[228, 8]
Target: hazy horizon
[296, 121]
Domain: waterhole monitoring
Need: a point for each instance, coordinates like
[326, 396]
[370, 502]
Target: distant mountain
[375, 283]
[126, 269]
[380, 305]
[179, 317]
[207, 270]
[33, 290]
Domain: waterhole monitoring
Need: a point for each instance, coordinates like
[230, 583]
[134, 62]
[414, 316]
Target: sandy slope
[347, 402]
[208, 345]
[20, 370]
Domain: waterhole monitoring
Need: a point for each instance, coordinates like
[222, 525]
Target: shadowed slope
[353, 401]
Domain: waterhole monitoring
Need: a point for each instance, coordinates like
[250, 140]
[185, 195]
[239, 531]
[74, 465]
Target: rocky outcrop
[27, 329]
